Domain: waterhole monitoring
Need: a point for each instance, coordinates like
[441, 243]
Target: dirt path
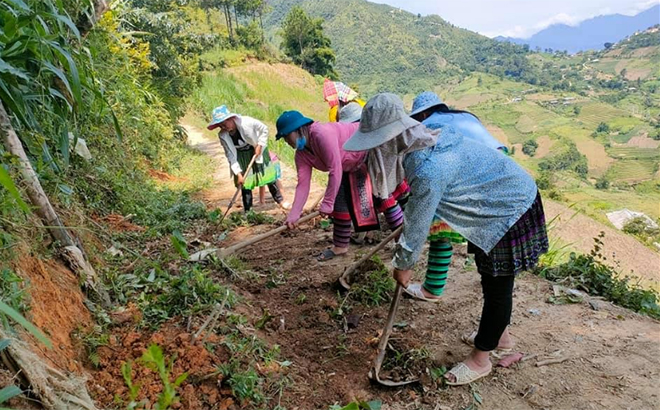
[612, 355]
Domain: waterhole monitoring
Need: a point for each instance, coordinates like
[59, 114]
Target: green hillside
[383, 48]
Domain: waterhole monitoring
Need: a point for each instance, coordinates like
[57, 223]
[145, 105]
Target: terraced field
[593, 113]
[633, 171]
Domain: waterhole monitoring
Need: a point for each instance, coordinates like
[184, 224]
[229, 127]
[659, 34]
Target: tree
[529, 147]
[608, 45]
[603, 183]
[603, 128]
[480, 82]
[576, 110]
[306, 44]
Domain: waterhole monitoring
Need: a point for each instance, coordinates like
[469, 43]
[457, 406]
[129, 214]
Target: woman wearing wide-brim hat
[243, 138]
[483, 195]
[319, 146]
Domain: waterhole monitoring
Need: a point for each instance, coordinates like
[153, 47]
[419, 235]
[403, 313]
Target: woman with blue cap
[483, 195]
[319, 146]
[243, 138]
[429, 109]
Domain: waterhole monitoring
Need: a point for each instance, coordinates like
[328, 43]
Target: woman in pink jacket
[319, 146]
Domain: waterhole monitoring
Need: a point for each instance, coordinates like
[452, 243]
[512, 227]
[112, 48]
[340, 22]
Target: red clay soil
[202, 389]
[119, 223]
[57, 309]
[164, 176]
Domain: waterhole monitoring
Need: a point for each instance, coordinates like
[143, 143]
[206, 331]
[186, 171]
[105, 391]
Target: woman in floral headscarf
[337, 95]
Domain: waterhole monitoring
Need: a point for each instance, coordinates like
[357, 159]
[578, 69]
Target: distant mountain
[591, 34]
[382, 48]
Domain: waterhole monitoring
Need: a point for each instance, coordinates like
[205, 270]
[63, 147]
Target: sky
[518, 18]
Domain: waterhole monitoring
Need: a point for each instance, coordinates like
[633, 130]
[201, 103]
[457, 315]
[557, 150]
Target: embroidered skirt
[520, 248]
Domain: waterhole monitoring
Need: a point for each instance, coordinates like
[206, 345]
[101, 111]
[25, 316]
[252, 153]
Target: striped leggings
[440, 253]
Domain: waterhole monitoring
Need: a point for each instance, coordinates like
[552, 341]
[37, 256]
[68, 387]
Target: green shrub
[591, 274]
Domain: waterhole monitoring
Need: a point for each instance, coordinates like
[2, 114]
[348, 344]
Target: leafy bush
[529, 147]
[569, 159]
[591, 274]
[603, 182]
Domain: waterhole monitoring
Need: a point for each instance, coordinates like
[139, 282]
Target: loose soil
[611, 354]
[202, 389]
[57, 309]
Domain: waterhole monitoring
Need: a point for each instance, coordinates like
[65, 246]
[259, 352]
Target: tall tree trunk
[228, 16]
[236, 17]
[72, 252]
[86, 22]
[261, 24]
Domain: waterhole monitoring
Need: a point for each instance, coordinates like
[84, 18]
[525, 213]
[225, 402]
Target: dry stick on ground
[71, 251]
[551, 361]
[213, 317]
[221, 253]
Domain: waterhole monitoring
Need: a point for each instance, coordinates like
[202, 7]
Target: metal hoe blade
[374, 373]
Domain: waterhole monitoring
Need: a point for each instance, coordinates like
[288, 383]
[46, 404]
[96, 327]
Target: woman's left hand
[402, 276]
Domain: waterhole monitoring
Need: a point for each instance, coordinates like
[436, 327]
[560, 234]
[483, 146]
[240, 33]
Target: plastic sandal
[498, 352]
[328, 254]
[415, 290]
[464, 375]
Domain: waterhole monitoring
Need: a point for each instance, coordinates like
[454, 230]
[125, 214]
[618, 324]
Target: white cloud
[641, 6]
[569, 19]
[526, 32]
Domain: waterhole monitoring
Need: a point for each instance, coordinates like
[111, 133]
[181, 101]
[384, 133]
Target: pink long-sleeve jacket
[324, 152]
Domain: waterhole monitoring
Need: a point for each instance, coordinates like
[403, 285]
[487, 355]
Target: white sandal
[415, 290]
[464, 375]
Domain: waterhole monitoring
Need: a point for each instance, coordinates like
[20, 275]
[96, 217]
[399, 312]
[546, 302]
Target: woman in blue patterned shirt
[483, 195]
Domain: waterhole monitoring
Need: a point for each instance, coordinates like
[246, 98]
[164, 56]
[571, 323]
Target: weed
[12, 290]
[374, 285]
[249, 218]
[154, 360]
[246, 386]
[359, 405]
[300, 299]
[92, 340]
[591, 274]
[265, 318]
[191, 292]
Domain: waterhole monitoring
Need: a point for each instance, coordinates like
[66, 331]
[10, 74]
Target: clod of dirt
[201, 390]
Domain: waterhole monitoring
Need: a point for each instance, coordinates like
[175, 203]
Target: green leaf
[18, 4]
[73, 72]
[6, 181]
[10, 69]
[13, 107]
[180, 379]
[478, 398]
[179, 243]
[8, 392]
[18, 318]
[375, 405]
[67, 21]
[58, 94]
[59, 73]
[64, 145]
[4, 343]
